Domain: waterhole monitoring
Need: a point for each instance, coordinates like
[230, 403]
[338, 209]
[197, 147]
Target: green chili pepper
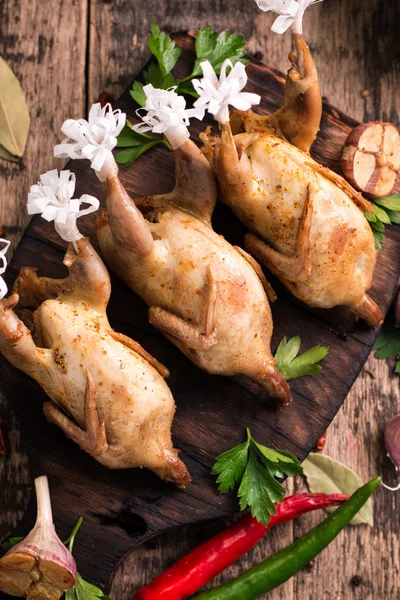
[284, 564]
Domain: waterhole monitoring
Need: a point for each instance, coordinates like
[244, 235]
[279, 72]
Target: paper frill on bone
[52, 198]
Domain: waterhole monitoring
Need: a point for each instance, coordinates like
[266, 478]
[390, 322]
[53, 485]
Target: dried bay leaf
[329, 476]
[7, 156]
[14, 115]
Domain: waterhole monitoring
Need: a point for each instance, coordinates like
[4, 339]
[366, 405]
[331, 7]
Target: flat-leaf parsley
[253, 468]
[292, 365]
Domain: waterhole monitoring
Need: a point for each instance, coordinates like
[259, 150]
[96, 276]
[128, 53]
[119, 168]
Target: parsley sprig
[386, 212]
[13, 541]
[166, 53]
[292, 365]
[216, 48]
[83, 590]
[134, 144]
[387, 344]
[209, 45]
[253, 468]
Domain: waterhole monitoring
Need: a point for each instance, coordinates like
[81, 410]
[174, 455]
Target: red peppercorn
[320, 445]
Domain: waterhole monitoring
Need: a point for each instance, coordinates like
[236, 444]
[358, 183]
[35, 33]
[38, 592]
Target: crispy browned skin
[114, 400]
[203, 293]
[307, 223]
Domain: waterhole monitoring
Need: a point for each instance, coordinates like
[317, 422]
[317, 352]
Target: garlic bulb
[392, 443]
[40, 566]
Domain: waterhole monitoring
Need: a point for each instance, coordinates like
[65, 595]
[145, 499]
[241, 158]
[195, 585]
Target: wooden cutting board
[123, 508]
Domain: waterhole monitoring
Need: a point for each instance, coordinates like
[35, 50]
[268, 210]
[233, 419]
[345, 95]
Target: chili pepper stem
[277, 569]
[200, 565]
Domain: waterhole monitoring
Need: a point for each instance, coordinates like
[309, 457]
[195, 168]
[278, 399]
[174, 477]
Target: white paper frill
[52, 198]
[216, 95]
[290, 13]
[3, 266]
[165, 112]
[93, 139]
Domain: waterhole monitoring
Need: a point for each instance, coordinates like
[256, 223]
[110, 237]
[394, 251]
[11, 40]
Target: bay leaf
[5, 154]
[14, 115]
[329, 476]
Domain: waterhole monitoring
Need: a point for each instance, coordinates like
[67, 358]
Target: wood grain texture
[54, 87]
[35, 39]
[211, 411]
[358, 51]
[15, 477]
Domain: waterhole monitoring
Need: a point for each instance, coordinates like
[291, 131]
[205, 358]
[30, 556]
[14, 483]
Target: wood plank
[54, 87]
[349, 45]
[35, 40]
[356, 57]
[211, 410]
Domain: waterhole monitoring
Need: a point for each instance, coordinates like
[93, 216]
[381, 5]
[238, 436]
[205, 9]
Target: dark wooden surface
[65, 54]
[131, 506]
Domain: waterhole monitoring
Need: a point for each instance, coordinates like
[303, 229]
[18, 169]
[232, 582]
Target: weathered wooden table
[65, 54]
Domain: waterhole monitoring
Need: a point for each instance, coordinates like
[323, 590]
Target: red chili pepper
[209, 559]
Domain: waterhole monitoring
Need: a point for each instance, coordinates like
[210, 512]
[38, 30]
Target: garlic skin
[392, 443]
[40, 567]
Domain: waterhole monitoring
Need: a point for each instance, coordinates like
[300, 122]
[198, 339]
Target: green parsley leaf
[163, 48]
[11, 542]
[129, 155]
[69, 542]
[386, 212]
[206, 40]
[391, 202]
[230, 467]
[291, 366]
[209, 46]
[135, 144]
[378, 246]
[381, 214]
[166, 53]
[217, 49]
[371, 217]
[253, 468]
[154, 76]
[377, 226]
[388, 342]
[379, 237]
[129, 137]
[256, 480]
[84, 590]
[138, 94]
[186, 88]
[393, 216]
[281, 463]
